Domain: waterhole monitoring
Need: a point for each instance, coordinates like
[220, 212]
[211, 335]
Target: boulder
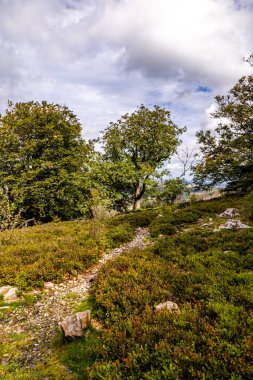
[229, 213]
[73, 325]
[11, 294]
[4, 289]
[8, 292]
[234, 224]
[168, 305]
[84, 318]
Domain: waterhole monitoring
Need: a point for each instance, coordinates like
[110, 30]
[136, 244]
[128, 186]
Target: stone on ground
[8, 292]
[73, 325]
[234, 224]
[168, 305]
[84, 318]
[4, 289]
[229, 213]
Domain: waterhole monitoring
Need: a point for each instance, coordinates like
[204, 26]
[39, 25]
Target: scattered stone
[207, 224]
[229, 213]
[34, 292]
[48, 285]
[233, 224]
[10, 295]
[169, 305]
[38, 304]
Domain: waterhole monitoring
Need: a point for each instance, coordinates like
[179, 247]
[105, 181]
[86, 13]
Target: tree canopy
[227, 153]
[42, 163]
[135, 147]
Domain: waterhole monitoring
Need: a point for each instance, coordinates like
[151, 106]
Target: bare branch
[187, 158]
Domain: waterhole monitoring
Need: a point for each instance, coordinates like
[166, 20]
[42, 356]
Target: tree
[135, 147]
[171, 189]
[42, 163]
[227, 154]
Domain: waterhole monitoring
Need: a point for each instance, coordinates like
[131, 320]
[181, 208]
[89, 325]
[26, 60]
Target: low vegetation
[30, 256]
[208, 274]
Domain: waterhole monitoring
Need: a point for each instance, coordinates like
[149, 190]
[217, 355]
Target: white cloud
[199, 39]
[103, 58]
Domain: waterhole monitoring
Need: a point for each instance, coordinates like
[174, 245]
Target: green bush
[247, 206]
[167, 223]
[120, 234]
[157, 229]
[138, 218]
[36, 254]
[208, 274]
[209, 340]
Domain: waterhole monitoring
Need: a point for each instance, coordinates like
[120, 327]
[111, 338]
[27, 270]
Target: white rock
[234, 224]
[4, 289]
[11, 294]
[169, 305]
[48, 285]
[34, 291]
[229, 213]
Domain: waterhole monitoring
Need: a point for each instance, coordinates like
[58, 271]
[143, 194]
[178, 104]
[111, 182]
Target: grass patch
[53, 370]
[32, 255]
[86, 304]
[81, 353]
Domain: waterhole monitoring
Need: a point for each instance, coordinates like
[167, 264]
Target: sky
[104, 58]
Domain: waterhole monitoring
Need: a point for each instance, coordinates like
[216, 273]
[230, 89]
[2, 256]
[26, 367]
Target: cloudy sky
[103, 58]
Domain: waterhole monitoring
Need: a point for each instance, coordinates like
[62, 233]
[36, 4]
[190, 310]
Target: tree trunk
[137, 204]
[138, 194]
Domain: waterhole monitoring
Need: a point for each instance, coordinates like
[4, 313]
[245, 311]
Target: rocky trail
[40, 321]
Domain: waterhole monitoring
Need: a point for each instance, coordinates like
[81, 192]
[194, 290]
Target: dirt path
[40, 321]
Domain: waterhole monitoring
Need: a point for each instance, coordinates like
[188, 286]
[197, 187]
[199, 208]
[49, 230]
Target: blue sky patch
[204, 89]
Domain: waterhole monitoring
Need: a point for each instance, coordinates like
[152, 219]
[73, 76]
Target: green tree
[134, 148]
[170, 189]
[43, 161]
[227, 153]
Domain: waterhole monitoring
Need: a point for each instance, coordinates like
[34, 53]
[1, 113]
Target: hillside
[188, 260]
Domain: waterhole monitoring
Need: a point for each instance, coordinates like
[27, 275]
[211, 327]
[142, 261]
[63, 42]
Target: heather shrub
[138, 218]
[120, 234]
[208, 274]
[247, 206]
[32, 255]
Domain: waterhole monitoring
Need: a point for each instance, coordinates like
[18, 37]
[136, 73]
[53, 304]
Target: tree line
[48, 171]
